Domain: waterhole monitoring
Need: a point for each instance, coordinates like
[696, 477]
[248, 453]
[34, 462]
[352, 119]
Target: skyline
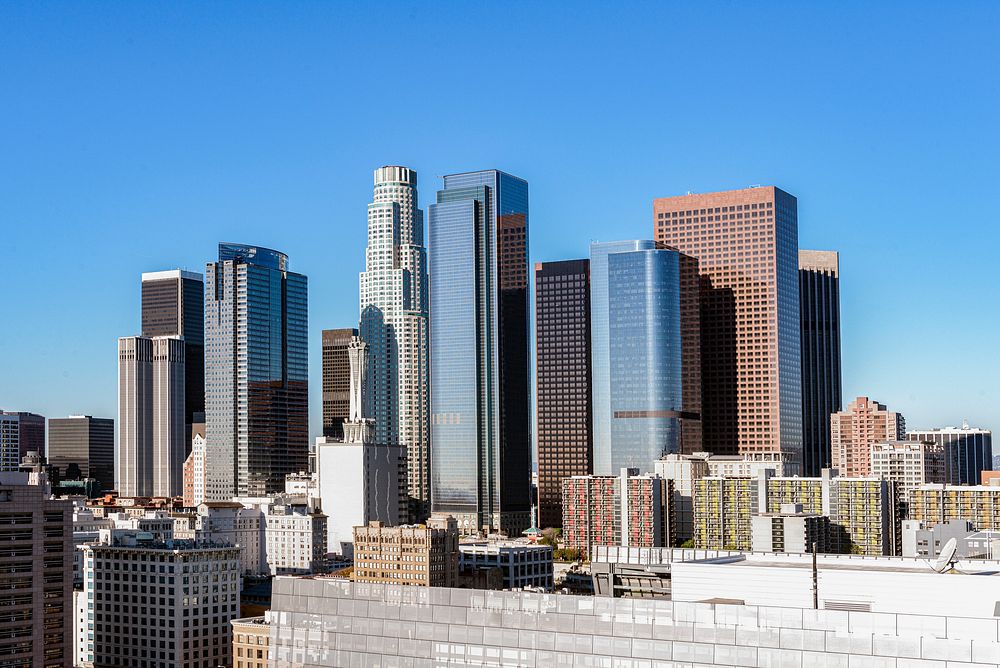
[79, 199]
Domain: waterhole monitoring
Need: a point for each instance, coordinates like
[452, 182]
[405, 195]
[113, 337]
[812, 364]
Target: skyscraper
[20, 433]
[855, 430]
[481, 455]
[394, 325]
[256, 383]
[562, 381]
[152, 434]
[83, 446]
[635, 288]
[968, 451]
[819, 308]
[746, 244]
[336, 380]
[173, 305]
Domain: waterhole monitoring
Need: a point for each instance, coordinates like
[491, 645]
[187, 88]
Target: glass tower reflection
[481, 450]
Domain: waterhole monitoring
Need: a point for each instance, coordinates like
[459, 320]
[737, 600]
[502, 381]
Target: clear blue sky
[135, 136]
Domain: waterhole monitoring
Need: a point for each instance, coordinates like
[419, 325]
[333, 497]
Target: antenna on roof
[947, 559]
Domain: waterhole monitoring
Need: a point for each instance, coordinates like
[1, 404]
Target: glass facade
[644, 357]
[481, 454]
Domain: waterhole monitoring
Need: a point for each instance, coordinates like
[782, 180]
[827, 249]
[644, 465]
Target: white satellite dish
[946, 560]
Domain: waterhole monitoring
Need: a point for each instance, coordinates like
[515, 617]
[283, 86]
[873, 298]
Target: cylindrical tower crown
[395, 174]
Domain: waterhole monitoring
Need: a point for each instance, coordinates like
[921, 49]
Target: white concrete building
[909, 463]
[199, 476]
[523, 563]
[231, 523]
[296, 539]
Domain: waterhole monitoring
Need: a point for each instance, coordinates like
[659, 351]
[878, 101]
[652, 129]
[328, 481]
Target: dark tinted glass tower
[336, 380]
[481, 450]
[84, 446]
[20, 433]
[819, 308]
[256, 384]
[173, 305]
[562, 381]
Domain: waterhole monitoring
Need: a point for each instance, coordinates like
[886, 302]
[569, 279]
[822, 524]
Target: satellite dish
[946, 560]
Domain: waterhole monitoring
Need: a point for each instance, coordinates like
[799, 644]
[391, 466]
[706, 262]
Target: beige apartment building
[425, 555]
[855, 430]
[251, 638]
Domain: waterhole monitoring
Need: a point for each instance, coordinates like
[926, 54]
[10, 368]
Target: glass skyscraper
[256, 383]
[637, 353]
[481, 449]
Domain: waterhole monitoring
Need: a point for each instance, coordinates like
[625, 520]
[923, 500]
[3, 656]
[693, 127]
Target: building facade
[746, 245]
[937, 504]
[791, 530]
[82, 446]
[522, 563]
[855, 430]
[423, 555]
[819, 310]
[480, 424]
[20, 433]
[394, 322]
[251, 638]
[968, 451]
[173, 304]
[562, 381]
[296, 539]
[909, 464]
[336, 380]
[256, 375]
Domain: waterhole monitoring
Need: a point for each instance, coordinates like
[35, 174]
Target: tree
[689, 543]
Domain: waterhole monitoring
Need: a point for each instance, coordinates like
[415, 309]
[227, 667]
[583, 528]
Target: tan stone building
[855, 430]
[251, 637]
[425, 555]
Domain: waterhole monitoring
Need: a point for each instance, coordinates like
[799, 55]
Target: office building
[628, 509]
[819, 310]
[296, 538]
[231, 523]
[423, 555]
[522, 563]
[82, 446]
[177, 614]
[937, 504]
[336, 380]
[855, 430]
[908, 463]
[562, 381]
[152, 437]
[394, 324]
[790, 530]
[968, 451]
[251, 638]
[20, 433]
[256, 380]
[746, 245]
[637, 354]
[173, 305]
[481, 459]
[36, 581]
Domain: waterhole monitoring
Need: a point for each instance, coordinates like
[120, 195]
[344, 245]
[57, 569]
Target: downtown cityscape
[458, 429]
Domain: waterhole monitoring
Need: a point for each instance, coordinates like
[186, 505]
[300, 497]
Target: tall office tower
[152, 435]
[819, 308]
[746, 243]
[562, 381]
[81, 446]
[36, 580]
[256, 380]
[636, 325]
[481, 459]
[336, 380]
[394, 325]
[173, 305]
[968, 451]
[854, 431]
[20, 433]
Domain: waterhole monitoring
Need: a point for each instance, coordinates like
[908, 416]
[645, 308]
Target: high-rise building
[152, 434]
[746, 245]
[968, 451]
[637, 354]
[36, 580]
[173, 305]
[909, 463]
[394, 324]
[82, 446]
[336, 380]
[480, 424]
[562, 381]
[855, 430]
[256, 376]
[20, 433]
[423, 555]
[819, 310]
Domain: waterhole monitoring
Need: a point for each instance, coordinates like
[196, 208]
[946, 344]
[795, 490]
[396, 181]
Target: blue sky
[135, 136]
